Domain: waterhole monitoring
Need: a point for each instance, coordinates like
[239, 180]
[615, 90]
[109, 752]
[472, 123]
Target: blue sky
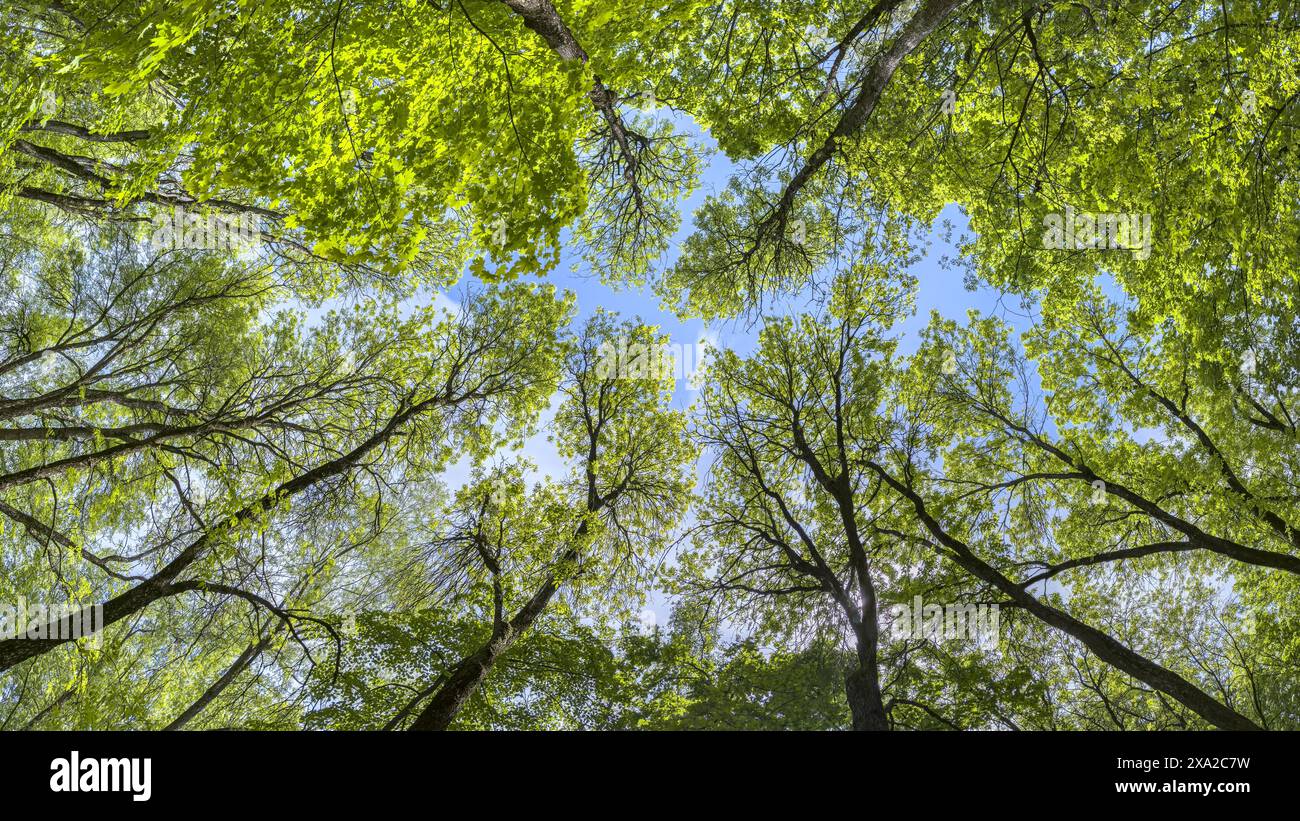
[939, 289]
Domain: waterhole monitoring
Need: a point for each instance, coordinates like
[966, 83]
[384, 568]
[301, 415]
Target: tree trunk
[862, 686]
[464, 679]
[240, 665]
[1105, 647]
[160, 585]
[462, 682]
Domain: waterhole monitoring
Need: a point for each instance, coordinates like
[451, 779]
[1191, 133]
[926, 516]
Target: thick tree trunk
[1113, 652]
[862, 686]
[462, 682]
[1102, 645]
[469, 673]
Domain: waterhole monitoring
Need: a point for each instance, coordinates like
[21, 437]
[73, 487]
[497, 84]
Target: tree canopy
[306, 390]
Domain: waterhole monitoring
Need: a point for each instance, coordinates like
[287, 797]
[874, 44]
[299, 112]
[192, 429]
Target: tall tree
[588, 536]
[156, 428]
[398, 137]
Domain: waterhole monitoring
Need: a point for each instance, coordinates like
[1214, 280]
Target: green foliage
[313, 486]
